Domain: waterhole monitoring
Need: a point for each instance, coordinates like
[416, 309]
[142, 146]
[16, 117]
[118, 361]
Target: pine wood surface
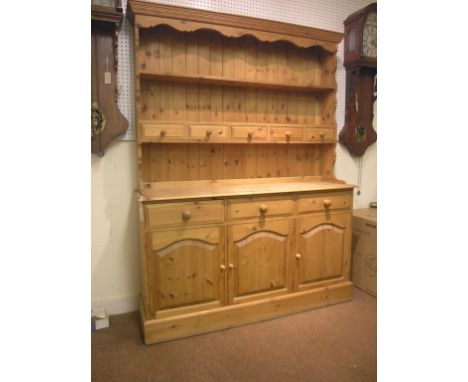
[165, 191]
[169, 102]
[146, 14]
[241, 216]
[180, 162]
[159, 330]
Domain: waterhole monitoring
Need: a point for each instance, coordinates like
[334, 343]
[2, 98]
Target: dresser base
[191, 324]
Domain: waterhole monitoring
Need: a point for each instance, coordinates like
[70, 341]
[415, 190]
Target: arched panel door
[258, 260]
[186, 270]
[322, 251]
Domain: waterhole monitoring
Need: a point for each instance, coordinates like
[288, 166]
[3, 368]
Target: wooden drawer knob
[163, 133]
[263, 209]
[231, 266]
[250, 133]
[186, 215]
[208, 133]
[288, 134]
[222, 267]
[327, 203]
[298, 256]
[322, 134]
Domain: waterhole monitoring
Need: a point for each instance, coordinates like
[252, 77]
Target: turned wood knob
[208, 133]
[222, 267]
[250, 133]
[163, 133]
[298, 256]
[186, 215]
[327, 203]
[263, 208]
[288, 134]
[322, 134]
[231, 266]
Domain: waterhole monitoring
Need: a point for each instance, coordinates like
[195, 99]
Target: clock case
[360, 75]
[107, 122]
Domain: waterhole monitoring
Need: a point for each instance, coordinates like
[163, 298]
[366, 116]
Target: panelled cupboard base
[169, 328]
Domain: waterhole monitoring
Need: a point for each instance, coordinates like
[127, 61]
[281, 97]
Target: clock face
[369, 36]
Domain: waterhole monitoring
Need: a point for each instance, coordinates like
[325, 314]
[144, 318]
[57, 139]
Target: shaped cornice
[147, 14]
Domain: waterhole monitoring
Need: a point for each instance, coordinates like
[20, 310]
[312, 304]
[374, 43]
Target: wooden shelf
[162, 191]
[222, 81]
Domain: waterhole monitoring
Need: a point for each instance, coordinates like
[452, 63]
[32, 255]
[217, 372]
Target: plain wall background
[114, 221]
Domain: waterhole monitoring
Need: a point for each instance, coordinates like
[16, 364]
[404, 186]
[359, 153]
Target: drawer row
[162, 132]
[164, 214]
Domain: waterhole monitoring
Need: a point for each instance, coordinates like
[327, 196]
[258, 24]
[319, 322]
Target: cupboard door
[186, 270]
[258, 260]
[322, 251]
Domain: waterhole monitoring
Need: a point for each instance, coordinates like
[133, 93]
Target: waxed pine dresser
[241, 218]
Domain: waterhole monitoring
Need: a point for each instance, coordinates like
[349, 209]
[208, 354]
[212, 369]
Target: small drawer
[285, 134]
[319, 135]
[249, 133]
[260, 207]
[325, 201]
[158, 215]
[209, 132]
[163, 132]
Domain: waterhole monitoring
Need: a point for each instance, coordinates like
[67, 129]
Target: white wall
[114, 236]
[115, 266]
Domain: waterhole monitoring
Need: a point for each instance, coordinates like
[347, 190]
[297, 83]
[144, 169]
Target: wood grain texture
[240, 314]
[165, 214]
[256, 207]
[103, 94]
[323, 244]
[226, 161]
[146, 15]
[211, 59]
[184, 269]
[178, 190]
[259, 254]
[241, 217]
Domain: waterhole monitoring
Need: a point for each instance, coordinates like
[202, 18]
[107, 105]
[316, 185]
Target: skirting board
[119, 305]
[169, 328]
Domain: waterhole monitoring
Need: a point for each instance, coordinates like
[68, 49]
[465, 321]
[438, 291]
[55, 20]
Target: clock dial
[369, 36]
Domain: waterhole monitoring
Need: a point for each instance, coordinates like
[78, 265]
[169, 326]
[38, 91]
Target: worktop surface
[163, 191]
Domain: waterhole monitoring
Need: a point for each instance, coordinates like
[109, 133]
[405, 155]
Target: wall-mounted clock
[107, 122]
[360, 61]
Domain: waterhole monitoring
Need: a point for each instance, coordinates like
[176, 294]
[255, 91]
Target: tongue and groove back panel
[202, 77]
[171, 162]
[205, 52]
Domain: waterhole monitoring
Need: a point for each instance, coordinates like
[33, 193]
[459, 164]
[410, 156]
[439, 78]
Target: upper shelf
[148, 14]
[218, 80]
[207, 58]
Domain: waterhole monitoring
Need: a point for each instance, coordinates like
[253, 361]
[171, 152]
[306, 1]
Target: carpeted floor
[336, 344]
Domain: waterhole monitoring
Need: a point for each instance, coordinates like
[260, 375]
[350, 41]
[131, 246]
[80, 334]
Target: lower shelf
[169, 328]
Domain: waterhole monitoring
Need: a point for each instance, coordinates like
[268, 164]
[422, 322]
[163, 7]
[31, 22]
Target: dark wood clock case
[107, 122]
[358, 134]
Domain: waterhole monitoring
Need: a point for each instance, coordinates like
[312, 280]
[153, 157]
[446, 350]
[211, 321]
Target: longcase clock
[107, 122]
[360, 61]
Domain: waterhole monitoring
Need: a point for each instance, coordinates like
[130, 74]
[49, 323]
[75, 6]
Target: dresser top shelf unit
[224, 97]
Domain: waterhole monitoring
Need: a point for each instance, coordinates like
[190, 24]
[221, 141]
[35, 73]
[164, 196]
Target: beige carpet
[336, 344]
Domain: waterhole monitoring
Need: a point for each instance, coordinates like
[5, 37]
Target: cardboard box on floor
[364, 250]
